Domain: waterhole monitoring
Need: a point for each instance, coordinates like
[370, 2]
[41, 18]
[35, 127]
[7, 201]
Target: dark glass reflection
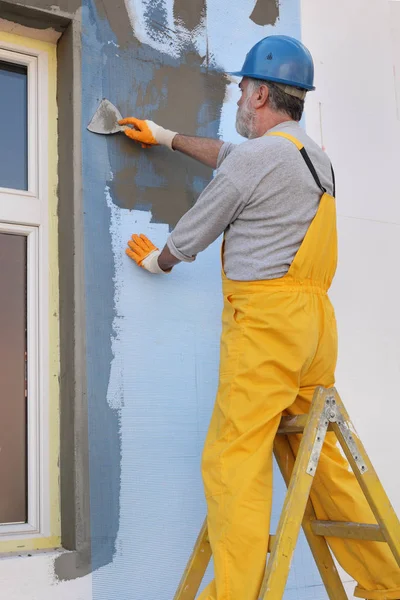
[13, 126]
[13, 384]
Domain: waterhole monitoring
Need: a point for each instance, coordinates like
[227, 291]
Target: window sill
[29, 545]
[67, 565]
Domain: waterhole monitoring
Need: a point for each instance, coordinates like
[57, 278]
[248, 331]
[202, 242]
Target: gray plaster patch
[182, 93]
[190, 13]
[26, 14]
[68, 6]
[114, 12]
[266, 12]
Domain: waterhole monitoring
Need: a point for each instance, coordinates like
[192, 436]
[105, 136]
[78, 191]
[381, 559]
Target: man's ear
[262, 96]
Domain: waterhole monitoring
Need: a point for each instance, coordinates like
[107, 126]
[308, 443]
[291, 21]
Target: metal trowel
[105, 119]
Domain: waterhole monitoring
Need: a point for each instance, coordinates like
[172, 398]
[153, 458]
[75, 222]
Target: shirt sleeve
[217, 206]
[224, 151]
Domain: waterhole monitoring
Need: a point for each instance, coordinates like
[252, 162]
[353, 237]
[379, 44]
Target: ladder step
[271, 543]
[345, 529]
[294, 424]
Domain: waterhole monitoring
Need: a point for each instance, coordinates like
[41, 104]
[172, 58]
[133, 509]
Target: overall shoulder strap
[306, 158]
[334, 182]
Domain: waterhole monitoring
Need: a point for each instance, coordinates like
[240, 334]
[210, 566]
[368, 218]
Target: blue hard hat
[280, 59]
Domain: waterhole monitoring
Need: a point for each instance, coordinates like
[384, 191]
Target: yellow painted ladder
[327, 414]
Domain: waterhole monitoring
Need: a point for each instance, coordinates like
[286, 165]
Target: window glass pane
[13, 126]
[13, 418]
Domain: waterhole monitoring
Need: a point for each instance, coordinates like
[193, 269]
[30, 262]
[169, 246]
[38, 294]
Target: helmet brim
[273, 79]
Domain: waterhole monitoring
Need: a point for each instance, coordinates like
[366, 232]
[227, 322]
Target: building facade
[110, 374]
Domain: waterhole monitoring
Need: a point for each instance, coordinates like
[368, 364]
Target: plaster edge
[75, 492]
[49, 35]
[34, 18]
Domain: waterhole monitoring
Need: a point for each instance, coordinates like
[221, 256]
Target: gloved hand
[144, 253]
[148, 133]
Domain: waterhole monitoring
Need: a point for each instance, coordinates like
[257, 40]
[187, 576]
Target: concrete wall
[152, 343]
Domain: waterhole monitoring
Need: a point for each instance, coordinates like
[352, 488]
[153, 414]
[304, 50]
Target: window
[13, 396]
[28, 294]
[13, 126]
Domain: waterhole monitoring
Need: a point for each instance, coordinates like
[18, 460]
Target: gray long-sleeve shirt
[264, 198]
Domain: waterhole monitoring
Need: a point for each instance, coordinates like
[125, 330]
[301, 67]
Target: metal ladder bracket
[327, 416]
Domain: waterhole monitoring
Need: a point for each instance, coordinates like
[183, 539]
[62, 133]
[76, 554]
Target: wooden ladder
[327, 414]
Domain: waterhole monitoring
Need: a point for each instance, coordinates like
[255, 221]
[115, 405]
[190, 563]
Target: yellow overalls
[278, 343]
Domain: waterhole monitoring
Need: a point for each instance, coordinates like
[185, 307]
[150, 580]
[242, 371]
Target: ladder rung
[271, 543]
[345, 529]
[294, 424]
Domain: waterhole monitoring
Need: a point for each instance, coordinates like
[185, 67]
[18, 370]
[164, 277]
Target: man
[273, 198]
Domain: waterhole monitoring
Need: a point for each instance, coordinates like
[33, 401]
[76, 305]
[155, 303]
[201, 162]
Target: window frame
[22, 199]
[26, 213]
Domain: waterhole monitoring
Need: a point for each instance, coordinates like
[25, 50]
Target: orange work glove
[144, 253]
[147, 132]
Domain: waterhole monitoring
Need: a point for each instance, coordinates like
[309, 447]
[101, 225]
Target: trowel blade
[105, 119]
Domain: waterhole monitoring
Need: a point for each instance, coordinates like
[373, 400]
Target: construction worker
[273, 199]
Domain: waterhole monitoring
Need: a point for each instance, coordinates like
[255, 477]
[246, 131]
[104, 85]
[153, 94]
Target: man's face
[245, 115]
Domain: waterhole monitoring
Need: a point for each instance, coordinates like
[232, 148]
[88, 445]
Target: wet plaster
[115, 13]
[105, 120]
[190, 14]
[68, 6]
[266, 12]
[109, 119]
[27, 15]
[182, 93]
[186, 98]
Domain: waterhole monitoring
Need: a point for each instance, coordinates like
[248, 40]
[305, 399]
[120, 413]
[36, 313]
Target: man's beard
[245, 120]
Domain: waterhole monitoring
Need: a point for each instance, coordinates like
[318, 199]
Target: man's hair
[279, 100]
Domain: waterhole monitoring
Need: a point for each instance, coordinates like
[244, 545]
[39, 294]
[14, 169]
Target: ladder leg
[367, 478]
[296, 498]
[195, 568]
[319, 548]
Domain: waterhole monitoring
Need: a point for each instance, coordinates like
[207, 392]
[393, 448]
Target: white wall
[32, 578]
[356, 47]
